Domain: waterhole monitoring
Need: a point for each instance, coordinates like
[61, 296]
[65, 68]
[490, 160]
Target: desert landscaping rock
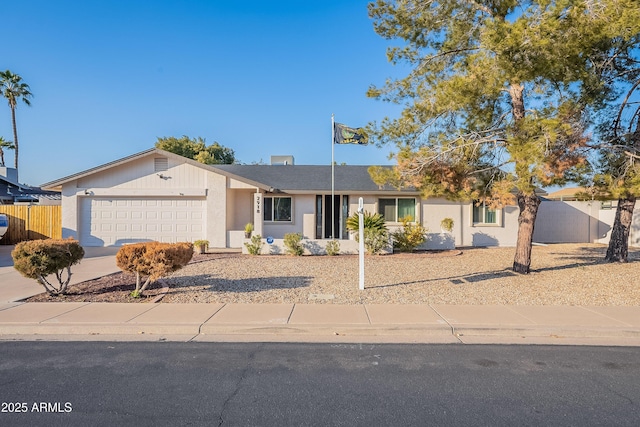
[563, 274]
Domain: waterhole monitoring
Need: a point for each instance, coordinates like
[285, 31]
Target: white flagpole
[333, 231]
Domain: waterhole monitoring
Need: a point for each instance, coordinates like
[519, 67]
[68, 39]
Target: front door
[325, 229]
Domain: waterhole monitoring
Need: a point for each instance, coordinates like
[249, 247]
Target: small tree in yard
[38, 259]
[152, 260]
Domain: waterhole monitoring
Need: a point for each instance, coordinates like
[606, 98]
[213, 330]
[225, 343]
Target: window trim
[272, 220]
[397, 219]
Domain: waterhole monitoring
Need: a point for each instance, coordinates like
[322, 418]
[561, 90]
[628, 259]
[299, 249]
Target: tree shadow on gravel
[585, 257]
[254, 284]
[458, 280]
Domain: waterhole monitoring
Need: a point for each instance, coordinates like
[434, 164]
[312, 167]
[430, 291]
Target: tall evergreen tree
[619, 169]
[14, 89]
[496, 102]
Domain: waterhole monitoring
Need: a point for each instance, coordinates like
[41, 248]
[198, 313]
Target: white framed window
[485, 215]
[393, 210]
[278, 209]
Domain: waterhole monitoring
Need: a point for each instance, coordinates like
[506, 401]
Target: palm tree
[4, 144]
[13, 89]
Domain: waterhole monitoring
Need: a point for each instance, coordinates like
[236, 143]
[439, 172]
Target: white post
[333, 208]
[361, 237]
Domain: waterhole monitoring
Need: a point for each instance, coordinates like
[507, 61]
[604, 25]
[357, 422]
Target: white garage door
[117, 221]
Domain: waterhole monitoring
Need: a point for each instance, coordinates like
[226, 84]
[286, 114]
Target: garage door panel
[117, 221]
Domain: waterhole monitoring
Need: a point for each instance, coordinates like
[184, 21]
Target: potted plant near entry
[446, 225]
[248, 229]
[201, 246]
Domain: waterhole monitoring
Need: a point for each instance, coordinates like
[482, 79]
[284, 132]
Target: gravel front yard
[567, 274]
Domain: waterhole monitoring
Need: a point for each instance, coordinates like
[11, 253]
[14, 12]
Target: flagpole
[332, 178]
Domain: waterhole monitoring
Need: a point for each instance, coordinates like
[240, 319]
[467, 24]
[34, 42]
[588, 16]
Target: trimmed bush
[152, 260]
[255, 247]
[38, 259]
[293, 243]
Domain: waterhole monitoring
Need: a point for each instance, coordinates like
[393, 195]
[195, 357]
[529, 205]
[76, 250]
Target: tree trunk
[618, 249]
[516, 91]
[528, 204]
[15, 139]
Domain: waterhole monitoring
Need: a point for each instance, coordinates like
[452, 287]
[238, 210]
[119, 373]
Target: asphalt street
[232, 384]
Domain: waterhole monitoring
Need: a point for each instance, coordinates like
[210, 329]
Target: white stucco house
[157, 195]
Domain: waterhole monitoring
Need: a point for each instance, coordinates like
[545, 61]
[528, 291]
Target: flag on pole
[345, 135]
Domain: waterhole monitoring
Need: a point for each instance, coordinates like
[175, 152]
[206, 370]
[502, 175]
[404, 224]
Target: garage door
[118, 221]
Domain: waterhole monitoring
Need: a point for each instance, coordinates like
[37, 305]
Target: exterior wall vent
[160, 164]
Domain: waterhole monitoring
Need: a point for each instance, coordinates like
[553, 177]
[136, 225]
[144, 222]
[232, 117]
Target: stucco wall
[580, 222]
[302, 204]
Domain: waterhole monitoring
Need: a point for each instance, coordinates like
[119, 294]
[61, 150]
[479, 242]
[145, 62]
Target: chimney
[11, 174]
[282, 160]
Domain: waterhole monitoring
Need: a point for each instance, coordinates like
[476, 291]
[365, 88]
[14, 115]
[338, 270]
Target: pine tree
[496, 103]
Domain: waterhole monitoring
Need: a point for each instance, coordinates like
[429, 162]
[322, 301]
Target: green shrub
[375, 240]
[293, 244]
[333, 247]
[410, 236]
[152, 260]
[255, 247]
[447, 224]
[376, 236]
[38, 259]
[371, 221]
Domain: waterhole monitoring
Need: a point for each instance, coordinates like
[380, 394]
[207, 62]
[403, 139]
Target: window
[483, 214]
[393, 210]
[277, 209]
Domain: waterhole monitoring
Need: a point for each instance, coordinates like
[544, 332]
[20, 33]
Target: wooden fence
[28, 222]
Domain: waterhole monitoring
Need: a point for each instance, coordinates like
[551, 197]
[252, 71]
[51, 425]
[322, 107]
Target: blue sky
[260, 77]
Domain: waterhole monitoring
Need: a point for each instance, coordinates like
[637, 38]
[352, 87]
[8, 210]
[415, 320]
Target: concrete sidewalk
[322, 323]
[368, 323]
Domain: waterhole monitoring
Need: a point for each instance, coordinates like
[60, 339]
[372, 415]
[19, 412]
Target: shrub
[371, 221]
[410, 236]
[38, 259]
[447, 224]
[375, 240]
[376, 236]
[152, 260]
[255, 247]
[333, 247]
[293, 243]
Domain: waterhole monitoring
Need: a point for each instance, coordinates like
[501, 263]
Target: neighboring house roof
[568, 194]
[12, 192]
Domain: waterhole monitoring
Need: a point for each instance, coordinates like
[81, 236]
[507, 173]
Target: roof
[309, 178]
[568, 194]
[11, 192]
[283, 178]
